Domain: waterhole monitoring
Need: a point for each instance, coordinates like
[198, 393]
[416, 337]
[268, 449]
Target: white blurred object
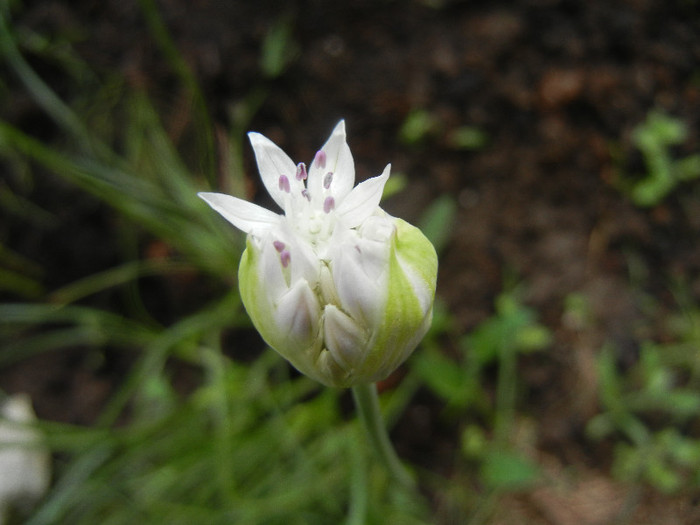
[25, 469]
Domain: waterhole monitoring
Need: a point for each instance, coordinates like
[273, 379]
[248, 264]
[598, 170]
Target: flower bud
[337, 286]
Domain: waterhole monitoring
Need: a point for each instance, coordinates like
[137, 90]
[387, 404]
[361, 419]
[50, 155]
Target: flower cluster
[337, 286]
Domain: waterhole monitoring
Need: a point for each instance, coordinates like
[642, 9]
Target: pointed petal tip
[339, 128]
[257, 138]
[383, 176]
[215, 199]
[244, 215]
[364, 199]
[206, 196]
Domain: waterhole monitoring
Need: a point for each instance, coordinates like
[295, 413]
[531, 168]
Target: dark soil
[556, 85]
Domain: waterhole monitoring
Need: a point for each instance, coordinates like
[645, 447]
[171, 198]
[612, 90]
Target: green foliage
[243, 448]
[646, 407]
[654, 138]
[508, 471]
[421, 125]
[512, 330]
[669, 461]
[462, 382]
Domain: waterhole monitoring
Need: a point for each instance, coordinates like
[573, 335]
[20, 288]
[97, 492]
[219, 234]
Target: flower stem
[367, 403]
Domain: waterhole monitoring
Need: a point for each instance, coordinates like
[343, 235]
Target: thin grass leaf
[19, 284]
[61, 113]
[191, 228]
[24, 209]
[202, 122]
[28, 329]
[182, 338]
[70, 488]
[113, 277]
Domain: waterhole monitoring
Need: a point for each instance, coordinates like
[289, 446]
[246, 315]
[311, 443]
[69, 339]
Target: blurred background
[549, 149]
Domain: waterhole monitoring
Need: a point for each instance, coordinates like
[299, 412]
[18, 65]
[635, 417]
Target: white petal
[269, 268]
[358, 268]
[273, 163]
[244, 215]
[298, 314]
[363, 200]
[304, 261]
[339, 161]
[344, 338]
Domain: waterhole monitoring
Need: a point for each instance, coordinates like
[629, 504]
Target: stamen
[284, 183]
[327, 179]
[320, 159]
[301, 171]
[328, 204]
[305, 193]
[285, 258]
[279, 245]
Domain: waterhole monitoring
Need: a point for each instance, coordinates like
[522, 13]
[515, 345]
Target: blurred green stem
[369, 412]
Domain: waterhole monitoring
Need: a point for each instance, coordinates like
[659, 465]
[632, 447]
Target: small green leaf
[278, 48]
[508, 470]
[438, 220]
[445, 377]
[474, 441]
[533, 337]
[418, 125]
[468, 138]
[688, 168]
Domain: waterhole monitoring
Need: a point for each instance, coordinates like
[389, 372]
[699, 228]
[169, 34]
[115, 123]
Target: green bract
[337, 286]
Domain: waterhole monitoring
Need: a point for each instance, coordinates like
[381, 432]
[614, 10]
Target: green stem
[367, 403]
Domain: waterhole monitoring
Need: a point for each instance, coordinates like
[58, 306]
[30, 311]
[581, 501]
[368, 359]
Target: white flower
[25, 469]
[334, 284]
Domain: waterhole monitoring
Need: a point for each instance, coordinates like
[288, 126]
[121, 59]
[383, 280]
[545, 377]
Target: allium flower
[334, 284]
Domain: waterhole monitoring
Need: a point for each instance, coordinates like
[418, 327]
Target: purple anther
[284, 183]
[301, 171]
[305, 193]
[328, 204]
[279, 245]
[327, 179]
[285, 258]
[320, 159]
